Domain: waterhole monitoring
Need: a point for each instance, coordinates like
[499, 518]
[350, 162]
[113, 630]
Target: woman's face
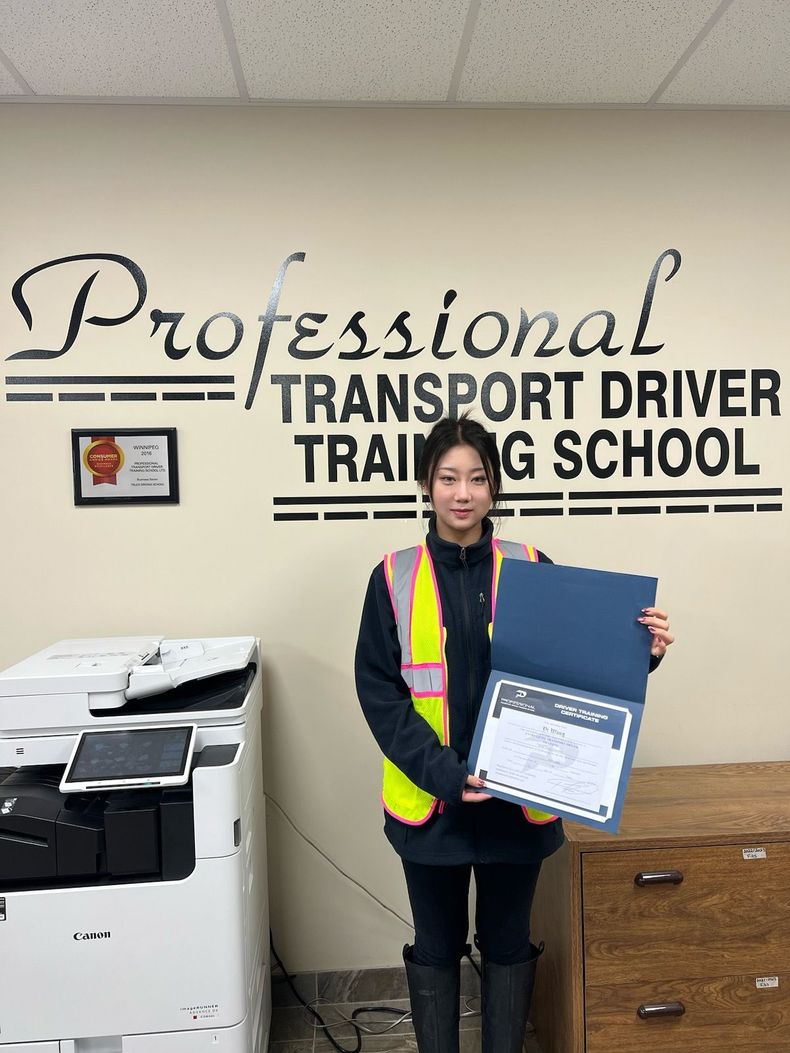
[460, 495]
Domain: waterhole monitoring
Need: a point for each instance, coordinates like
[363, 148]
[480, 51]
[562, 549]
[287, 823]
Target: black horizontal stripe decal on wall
[345, 499]
[532, 497]
[208, 379]
[738, 491]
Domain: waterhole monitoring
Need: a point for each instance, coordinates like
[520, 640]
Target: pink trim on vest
[409, 822]
[389, 583]
[445, 701]
[494, 551]
[412, 590]
[529, 551]
[537, 822]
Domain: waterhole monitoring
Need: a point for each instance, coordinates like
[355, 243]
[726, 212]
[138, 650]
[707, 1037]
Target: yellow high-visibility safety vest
[411, 580]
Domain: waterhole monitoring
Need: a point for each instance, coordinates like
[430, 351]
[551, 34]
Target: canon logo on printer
[92, 936]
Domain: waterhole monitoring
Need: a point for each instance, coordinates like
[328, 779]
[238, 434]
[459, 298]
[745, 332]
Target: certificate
[560, 717]
[560, 751]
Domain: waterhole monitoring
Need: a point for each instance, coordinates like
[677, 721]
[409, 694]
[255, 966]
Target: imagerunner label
[92, 936]
[575, 402]
[201, 1010]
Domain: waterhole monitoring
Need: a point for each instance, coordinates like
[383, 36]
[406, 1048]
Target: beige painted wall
[559, 210]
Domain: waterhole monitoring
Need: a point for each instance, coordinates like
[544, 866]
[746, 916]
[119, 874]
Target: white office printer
[133, 917]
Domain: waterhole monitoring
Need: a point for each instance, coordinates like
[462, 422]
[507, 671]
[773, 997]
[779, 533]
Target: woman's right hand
[472, 796]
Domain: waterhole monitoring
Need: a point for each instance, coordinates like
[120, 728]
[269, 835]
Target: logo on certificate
[103, 458]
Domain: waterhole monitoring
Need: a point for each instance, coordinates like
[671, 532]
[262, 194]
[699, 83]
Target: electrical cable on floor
[403, 1015]
[309, 1008]
[360, 1028]
[332, 863]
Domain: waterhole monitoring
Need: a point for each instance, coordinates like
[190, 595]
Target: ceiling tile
[8, 84]
[745, 60]
[360, 50]
[151, 48]
[563, 51]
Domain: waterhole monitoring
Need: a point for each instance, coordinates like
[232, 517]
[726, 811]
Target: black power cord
[359, 1029]
[313, 1012]
[356, 1012]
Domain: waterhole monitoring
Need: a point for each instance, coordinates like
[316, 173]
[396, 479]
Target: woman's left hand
[657, 623]
[474, 791]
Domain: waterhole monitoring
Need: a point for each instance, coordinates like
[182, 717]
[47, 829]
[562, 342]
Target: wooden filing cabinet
[685, 913]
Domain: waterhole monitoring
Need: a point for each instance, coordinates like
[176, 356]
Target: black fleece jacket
[491, 831]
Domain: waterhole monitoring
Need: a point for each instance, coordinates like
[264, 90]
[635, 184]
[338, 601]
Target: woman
[421, 700]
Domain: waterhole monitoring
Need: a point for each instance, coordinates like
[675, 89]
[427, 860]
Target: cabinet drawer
[728, 1012]
[728, 915]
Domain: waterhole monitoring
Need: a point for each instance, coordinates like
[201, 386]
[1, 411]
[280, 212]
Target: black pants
[439, 898]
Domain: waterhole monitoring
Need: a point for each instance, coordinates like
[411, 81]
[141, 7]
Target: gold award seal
[103, 458]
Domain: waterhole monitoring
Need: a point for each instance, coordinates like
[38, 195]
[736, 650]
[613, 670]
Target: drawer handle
[647, 1012]
[658, 877]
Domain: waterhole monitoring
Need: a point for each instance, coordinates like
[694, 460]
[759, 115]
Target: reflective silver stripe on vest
[427, 681]
[512, 550]
[405, 562]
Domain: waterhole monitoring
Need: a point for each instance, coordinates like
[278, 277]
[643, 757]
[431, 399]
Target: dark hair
[461, 431]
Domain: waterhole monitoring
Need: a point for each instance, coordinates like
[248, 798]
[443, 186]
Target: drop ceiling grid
[8, 84]
[744, 61]
[149, 48]
[365, 51]
[565, 52]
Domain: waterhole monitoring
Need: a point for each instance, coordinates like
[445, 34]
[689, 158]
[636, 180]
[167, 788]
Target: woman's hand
[470, 796]
[657, 623]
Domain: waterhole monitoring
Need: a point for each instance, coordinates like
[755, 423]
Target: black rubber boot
[435, 993]
[506, 995]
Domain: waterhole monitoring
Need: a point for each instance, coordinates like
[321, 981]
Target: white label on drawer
[754, 853]
[767, 981]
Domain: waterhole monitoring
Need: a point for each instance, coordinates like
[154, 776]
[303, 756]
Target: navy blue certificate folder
[569, 675]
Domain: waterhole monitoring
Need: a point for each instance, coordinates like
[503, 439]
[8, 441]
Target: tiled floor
[336, 995]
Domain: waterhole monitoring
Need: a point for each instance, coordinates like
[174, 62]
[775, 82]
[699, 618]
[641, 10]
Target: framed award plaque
[119, 466]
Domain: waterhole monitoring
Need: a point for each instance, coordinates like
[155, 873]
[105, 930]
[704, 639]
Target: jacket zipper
[465, 606]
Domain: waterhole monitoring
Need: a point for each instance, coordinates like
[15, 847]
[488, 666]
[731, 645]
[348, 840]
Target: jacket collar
[449, 552]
